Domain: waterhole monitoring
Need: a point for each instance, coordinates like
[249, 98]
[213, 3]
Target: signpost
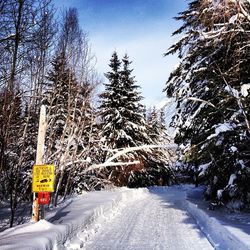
[36, 182]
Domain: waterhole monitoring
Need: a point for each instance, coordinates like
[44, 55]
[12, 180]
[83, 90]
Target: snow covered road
[132, 219]
[156, 221]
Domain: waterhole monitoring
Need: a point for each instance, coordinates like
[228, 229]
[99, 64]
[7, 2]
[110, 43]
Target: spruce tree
[154, 126]
[57, 93]
[159, 159]
[124, 125]
[71, 128]
[121, 110]
[60, 100]
[212, 116]
[122, 118]
[134, 120]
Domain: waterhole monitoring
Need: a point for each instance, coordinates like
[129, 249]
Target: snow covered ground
[154, 218]
[156, 221]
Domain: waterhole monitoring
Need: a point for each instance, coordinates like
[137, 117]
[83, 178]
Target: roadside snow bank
[222, 233]
[72, 224]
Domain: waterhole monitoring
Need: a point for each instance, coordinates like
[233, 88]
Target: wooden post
[39, 157]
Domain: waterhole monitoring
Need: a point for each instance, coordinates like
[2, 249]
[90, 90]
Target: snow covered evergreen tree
[210, 86]
[124, 125]
[160, 159]
[153, 123]
[71, 130]
[57, 95]
[122, 121]
[121, 110]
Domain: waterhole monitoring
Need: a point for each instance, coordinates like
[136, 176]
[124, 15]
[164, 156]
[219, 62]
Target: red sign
[43, 198]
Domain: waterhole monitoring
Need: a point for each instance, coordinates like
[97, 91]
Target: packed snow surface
[157, 221]
[138, 219]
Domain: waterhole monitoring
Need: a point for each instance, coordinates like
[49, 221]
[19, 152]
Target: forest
[46, 59]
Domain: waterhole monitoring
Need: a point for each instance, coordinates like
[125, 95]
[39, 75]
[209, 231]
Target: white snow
[233, 149]
[203, 168]
[219, 128]
[232, 178]
[236, 17]
[219, 194]
[158, 221]
[153, 218]
[78, 215]
[232, 91]
[163, 103]
[88, 159]
[221, 230]
[244, 89]
[242, 164]
[215, 3]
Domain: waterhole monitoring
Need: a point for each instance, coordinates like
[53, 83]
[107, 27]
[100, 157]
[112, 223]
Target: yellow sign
[43, 178]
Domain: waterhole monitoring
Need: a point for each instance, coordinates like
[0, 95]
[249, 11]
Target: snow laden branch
[109, 162]
[200, 100]
[234, 93]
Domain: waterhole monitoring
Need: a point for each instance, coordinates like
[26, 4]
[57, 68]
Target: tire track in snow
[151, 223]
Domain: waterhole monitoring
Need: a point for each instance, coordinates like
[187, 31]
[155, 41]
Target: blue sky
[141, 28]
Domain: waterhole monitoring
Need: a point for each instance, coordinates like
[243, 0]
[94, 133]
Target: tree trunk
[12, 208]
[67, 187]
[58, 186]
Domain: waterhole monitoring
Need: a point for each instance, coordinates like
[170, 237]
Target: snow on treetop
[216, 3]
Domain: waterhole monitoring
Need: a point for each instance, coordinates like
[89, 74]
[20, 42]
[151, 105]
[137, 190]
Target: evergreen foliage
[27, 40]
[212, 115]
[160, 159]
[123, 125]
[121, 110]
[122, 121]
[61, 86]
[70, 125]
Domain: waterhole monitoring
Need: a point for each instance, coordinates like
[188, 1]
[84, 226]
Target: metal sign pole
[42, 212]
[39, 157]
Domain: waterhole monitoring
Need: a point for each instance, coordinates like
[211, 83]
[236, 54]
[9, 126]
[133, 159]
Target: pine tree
[60, 98]
[110, 115]
[70, 126]
[159, 159]
[122, 118]
[57, 93]
[154, 126]
[134, 120]
[121, 110]
[212, 115]
[124, 125]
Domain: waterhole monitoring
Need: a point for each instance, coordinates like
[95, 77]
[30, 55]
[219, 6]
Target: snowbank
[219, 236]
[72, 224]
[222, 233]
